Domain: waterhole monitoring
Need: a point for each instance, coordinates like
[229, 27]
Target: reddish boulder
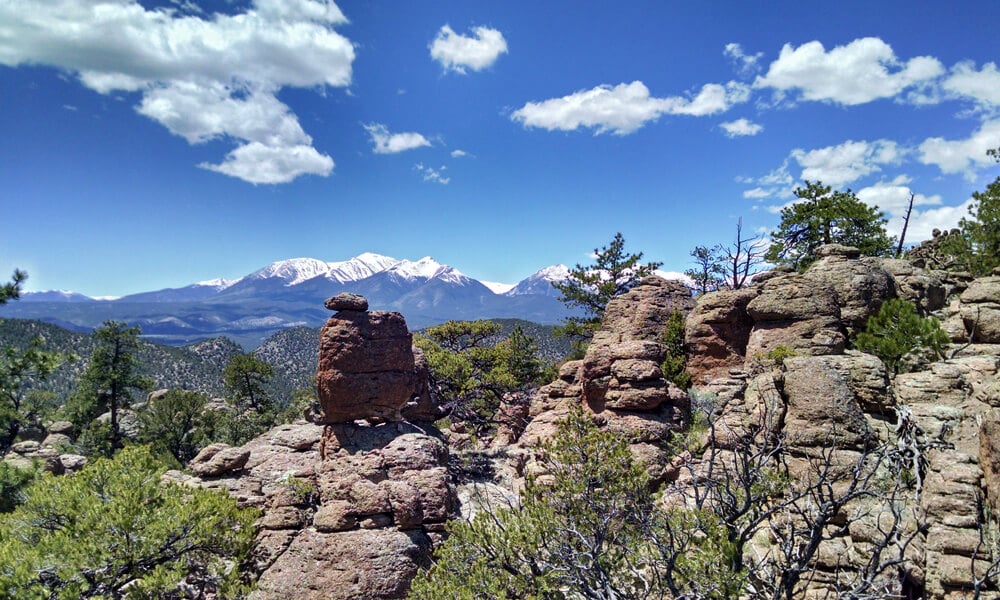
[367, 368]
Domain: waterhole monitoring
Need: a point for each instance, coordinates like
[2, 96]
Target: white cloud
[393, 143]
[459, 153]
[923, 223]
[962, 156]
[199, 76]
[259, 163]
[839, 165]
[862, 71]
[745, 64]
[624, 108]
[982, 86]
[757, 193]
[458, 52]
[741, 127]
[433, 175]
[893, 198]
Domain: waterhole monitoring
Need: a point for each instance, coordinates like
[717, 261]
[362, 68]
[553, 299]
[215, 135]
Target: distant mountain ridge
[290, 293]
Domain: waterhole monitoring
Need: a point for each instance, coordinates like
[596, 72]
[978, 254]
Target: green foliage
[114, 530]
[13, 482]
[110, 380]
[19, 367]
[981, 231]
[18, 407]
[708, 274]
[11, 290]
[822, 216]
[775, 357]
[246, 378]
[587, 528]
[590, 287]
[674, 364]
[471, 374]
[897, 331]
[175, 425]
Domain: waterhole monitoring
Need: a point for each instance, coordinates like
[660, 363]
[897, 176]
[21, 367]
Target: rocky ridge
[355, 500]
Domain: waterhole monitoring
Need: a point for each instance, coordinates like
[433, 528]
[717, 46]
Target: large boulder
[860, 285]
[797, 313]
[980, 310]
[716, 333]
[367, 368]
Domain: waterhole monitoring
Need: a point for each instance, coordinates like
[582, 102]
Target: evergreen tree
[708, 270]
[108, 384]
[472, 371]
[176, 425]
[246, 378]
[982, 230]
[822, 216]
[897, 331]
[674, 365]
[590, 287]
[18, 368]
[590, 530]
[114, 530]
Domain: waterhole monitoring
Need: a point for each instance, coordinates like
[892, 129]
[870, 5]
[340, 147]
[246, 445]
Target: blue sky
[155, 144]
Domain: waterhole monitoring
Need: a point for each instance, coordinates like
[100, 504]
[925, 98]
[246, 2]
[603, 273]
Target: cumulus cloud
[745, 64]
[201, 77]
[893, 198]
[962, 156]
[457, 52]
[394, 143]
[842, 164]
[864, 70]
[741, 127]
[625, 108]
[982, 86]
[459, 153]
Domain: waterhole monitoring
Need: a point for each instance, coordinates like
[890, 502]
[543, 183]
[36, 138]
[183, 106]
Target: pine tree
[108, 384]
[823, 216]
[114, 530]
[590, 287]
[897, 331]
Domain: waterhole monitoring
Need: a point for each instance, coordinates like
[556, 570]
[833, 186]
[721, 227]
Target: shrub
[897, 332]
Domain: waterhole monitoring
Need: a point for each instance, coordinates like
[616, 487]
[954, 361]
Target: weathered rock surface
[619, 380]
[798, 313]
[717, 332]
[348, 510]
[347, 301]
[980, 310]
[367, 368]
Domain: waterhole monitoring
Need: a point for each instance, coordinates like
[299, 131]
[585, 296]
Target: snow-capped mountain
[55, 296]
[291, 271]
[291, 292]
[359, 267]
[541, 282]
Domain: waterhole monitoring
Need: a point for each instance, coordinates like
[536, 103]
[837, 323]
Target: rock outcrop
[350, 509]
[619, 380]
[367, 367]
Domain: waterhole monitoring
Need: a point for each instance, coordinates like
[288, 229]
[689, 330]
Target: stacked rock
[367, 368]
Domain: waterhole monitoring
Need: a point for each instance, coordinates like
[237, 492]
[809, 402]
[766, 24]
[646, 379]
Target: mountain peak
[293, 270]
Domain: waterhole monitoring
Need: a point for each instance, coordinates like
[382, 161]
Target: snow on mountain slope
[291, 271]
[426, 269]
[360, 267]
[219, 283]
[498, 288]
[540, 282]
